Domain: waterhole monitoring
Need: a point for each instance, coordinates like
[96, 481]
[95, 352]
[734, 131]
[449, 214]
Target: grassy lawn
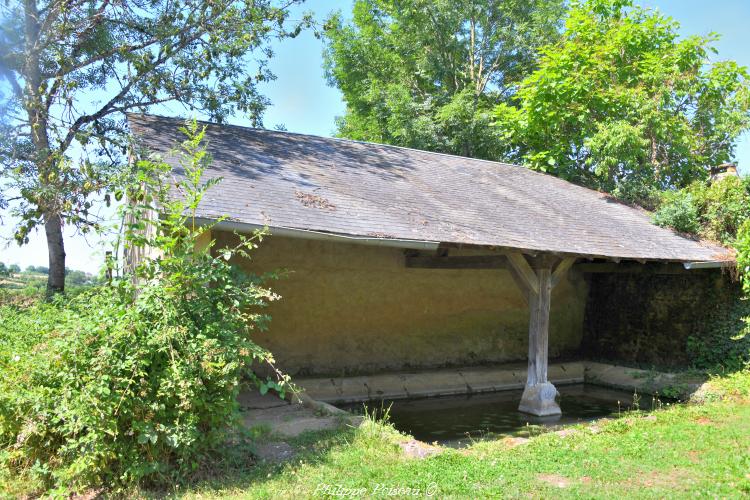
[684, 450]
[697, 449]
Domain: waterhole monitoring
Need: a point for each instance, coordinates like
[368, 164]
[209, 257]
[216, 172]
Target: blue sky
[303, 102]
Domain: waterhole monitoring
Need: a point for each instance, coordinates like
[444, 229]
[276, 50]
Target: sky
[303, 102]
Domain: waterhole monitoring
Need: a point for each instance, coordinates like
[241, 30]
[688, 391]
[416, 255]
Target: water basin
[459, 420]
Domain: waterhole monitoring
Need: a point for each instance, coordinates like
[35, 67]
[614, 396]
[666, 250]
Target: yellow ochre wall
[354, 309]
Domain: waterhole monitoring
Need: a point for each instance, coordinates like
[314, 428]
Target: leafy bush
[723, 206]
[713, 210]
[742, 245]
[679, 212]
[638, 192]
[134, 384]
[722, 343]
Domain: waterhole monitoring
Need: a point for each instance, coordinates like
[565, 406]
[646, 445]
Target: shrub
[638, 192]
[723, 206]
[129, 384]
[713, 210]
[722, 342]
[742, 245]
[679, 212]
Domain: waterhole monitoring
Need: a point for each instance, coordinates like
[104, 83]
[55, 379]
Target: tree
[427, 73]
[14, 268]
[623, 104]
[73, 68]
[3, 270]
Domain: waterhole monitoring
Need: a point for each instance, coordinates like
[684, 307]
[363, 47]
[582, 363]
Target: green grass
[699, 449]
[684, 450]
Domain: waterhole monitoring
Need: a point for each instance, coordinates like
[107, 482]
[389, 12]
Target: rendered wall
[352, 309]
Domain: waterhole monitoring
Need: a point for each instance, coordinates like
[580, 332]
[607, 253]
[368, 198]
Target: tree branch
[110, 106]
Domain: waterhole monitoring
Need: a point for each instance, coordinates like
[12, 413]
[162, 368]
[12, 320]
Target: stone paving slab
[645, 381]
[433, 383]
[286, 419]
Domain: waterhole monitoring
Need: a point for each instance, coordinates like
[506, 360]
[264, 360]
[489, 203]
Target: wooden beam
[561, 270]
[523, 271]
[457, 262]
[633, 268]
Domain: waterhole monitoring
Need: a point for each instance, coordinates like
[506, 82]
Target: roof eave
[409, 244]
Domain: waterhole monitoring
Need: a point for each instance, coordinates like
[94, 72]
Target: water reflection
[457, 420]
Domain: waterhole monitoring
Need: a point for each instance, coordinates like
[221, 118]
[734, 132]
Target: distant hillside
[23, 279]
[35, 278]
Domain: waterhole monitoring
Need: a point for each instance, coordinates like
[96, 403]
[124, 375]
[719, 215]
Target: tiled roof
[344, 187]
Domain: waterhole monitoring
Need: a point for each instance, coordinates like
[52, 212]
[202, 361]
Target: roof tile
[353, 188]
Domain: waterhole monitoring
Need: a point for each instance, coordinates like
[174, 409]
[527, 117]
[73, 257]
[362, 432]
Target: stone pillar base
[540, 400]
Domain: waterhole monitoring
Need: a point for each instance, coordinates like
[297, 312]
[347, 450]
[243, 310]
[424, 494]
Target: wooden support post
[537, 281]
[539, 329]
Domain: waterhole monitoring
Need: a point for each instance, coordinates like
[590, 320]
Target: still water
[458, 420]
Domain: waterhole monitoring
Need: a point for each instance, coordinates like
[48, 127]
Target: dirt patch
[512, 442]
[282, 418]
[554, 480]
[704, 421]
[418, 449]
[674, 479]
[88, 495]
[566, 432]
[275, 452]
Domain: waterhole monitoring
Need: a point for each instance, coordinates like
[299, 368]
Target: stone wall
[646, 319]
[356, 309]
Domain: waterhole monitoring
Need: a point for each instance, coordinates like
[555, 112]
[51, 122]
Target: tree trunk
[37, 113]
[56, 250]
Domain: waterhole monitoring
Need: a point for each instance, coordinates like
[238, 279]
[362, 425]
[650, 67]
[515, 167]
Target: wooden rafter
[561, 270]
[633, 268]
[524, 272]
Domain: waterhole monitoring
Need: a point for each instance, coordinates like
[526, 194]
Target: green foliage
[38, 269]
[734, 386]
[678, 211]
[72, 70]
[135, 384]
[742, 245]
[724, 205]
[426, 74]
[621, 99]
[721, 343]
[714, 210]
